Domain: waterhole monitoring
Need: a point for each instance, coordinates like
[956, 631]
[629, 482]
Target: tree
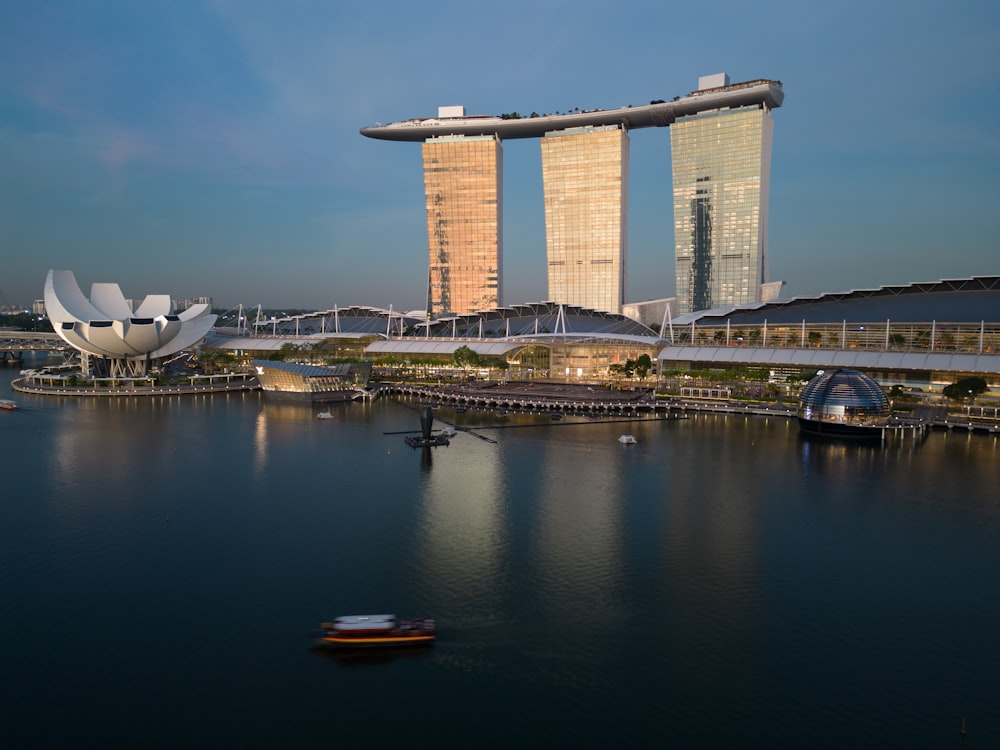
[966, 388]
[643, 365]
[465, 357]
[286, 352]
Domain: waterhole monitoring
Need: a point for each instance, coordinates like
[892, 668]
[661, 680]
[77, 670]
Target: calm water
[723, 583]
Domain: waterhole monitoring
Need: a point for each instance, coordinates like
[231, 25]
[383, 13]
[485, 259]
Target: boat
[375, 631]
[324, 415]
[448, 431]
[8, 405]
[627, 439]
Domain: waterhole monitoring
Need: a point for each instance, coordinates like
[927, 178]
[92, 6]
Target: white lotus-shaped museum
[106, 325]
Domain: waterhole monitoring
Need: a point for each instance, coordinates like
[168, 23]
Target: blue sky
[212, 148]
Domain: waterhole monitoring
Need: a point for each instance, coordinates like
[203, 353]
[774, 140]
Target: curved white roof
[417, 346]
[106, 326]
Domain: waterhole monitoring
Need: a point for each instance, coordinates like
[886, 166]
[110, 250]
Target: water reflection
[370, 657]
[461, 529]
[710, 554]
[577, 539]
[260, 443]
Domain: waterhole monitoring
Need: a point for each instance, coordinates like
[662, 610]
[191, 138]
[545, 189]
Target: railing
[964, 338]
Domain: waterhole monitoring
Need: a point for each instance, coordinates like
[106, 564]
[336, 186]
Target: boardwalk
[531, 396]
[237, 383]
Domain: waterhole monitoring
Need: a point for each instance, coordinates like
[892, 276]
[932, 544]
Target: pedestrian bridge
[13, 344]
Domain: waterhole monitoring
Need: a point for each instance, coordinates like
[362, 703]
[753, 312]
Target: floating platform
[428, 438]
[426, 442]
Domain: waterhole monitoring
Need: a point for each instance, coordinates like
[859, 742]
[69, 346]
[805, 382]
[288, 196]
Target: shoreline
[541, 397]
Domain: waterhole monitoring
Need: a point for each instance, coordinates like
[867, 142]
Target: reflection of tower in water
[578, 548]
[460, 538]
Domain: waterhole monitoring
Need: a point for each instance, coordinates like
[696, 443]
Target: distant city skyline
[212, 149]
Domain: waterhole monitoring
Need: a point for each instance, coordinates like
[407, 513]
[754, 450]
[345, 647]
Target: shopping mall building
[922, 335]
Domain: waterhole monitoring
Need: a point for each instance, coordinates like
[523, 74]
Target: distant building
[184, 304]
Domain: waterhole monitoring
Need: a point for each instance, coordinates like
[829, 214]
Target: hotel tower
[463, 184]
[585, 178]
[721, 151]
[721, 169]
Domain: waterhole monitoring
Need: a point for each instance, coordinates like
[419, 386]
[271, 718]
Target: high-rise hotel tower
[585, 178]
[721, 166]
[721, 145]
[463, 184]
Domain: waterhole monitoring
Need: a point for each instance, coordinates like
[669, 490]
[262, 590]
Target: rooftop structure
[962, 300]
[656, 114]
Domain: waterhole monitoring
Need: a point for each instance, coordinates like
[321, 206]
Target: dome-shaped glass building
[844, 403]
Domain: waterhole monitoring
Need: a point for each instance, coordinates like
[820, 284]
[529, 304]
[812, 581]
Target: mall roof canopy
[726, 356]
[414, 347]
[341, 320]
[967, 300]
[532, 319]
[217, 339]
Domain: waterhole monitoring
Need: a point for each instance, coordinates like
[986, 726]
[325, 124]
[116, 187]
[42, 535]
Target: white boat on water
[448, 431]
[627, 439]
[8, 405]
[324, 415]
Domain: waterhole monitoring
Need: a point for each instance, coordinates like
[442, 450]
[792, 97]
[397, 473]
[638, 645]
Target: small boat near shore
[627, 439]
[8, 405]
[375, 631]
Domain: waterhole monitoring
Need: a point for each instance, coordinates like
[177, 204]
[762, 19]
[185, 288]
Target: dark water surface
[723, 583]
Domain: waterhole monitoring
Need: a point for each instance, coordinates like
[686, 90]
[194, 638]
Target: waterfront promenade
[540, 397]
[47, 386]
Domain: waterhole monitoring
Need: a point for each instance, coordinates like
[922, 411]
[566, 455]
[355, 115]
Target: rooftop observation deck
[656, 114]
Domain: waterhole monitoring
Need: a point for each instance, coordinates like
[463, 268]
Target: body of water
[722, 583]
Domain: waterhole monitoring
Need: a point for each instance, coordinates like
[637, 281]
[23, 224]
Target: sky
[211, 147]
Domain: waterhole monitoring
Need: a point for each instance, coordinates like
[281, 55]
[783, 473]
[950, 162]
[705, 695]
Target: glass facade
[843, 396]
[463, 186]
[585, 178]
[721, 173]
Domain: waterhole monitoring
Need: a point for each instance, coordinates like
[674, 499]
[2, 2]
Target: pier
[597, 402]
